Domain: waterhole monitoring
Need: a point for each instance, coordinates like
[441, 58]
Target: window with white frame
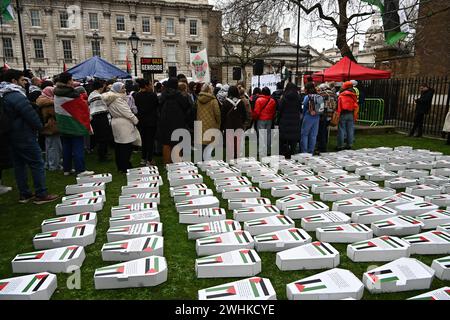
[171, 53]
[122, 49]
[64, 19]
[93, 21]
[193, 27]
[194, 49]
[38, 48]
[8, 51]
[120, 23]
[146, 25]
[147, 49]
[96, 48]
[67, 50]
[35, 17]
[170, 26]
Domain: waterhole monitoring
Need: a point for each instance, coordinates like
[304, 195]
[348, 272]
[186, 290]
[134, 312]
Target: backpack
[5, 121]
[316, 104]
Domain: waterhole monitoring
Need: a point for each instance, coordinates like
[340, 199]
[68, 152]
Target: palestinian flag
[259, 287]
[120, 218]
[364, 245]
[220, 291]
[119, 229]
[322, 248]
[152, 265]
[315, 218]
[150, 244]
[72, 114]
[296, 234]
[267, 238]
[36, 282]
[359, 227]
[7, 10]
[310, 285]
[442, 235]
[283, 219]
[110, 271]
[29, 256]
[247, 256]
[113, 246]
[46, 235]
[259, 222]
[384, 224]
[69, 253]
[382, 276]
[3, 285]
[409, 220]
[333, 229]
[444, 261]
[78, 231]
[210, 260]
[209, 240]
[152, 227]
[54, 221]
[391, 242]
[241, 237]
[417, 239]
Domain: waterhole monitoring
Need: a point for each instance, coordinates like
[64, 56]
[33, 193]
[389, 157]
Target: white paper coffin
[59, 260]
[188, 187]
[399, 198]
[424, 165]
[188, 179]
[350, 205]
[249, 202]
[362, 171]
[267, 176]
[141, 174]
[346, 178]
[145, 272]
[361, 185]
[293, 199]
[352, 166]
[237, 263]
[249, 289]
[135, 188]
[318, 188]
[140, 198]
[326, 219]
[378, 193]
[302, 157]
[223, 173]
[344, 233]
[397, 226]
[311, 256]
[434, 218]
[84, 187]
[209, 164]
[85, 195]
[81, 235]
[221, 187]
[339, 194]
[104, 177]
[179, 196]
[202, 215]
[257, 212]
[438, 294]
[385, 248]
[257, 172]
[442, 163]
[415, 209]
[423, 190]
[268, 224]
[132, 249]
[332, 173]
[180, 173]
[145, 179]
[242, 192]
[380, 175]
[441, 200]
[444, 227]
[281, 240]
[79, 206]
[198, 203]
[134, 218]
[134, 231]
[434, 180]
[401, 183]
[413, 173]
[301, 173]
[241, 160]
[332, 284]
[442, 268]
[143, 169]
[177, 165]
[69, 221]
[441, 172]
[287, 190]
[293, 167]
[230, 179]
[403, 274]
[224, 242]
[309, 181]
[202, 230]
[305, 209]
[133, 208]
[392, 166]
[431, 242]
[268, 184]
[40, 286]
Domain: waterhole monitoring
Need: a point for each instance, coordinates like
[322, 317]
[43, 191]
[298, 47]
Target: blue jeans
[73, 149]
[346, 128]
[265, 140]
[310, 127]
[53, 151]
[29, 155]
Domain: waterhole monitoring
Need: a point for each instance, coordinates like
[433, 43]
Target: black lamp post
[134, 41]
[95, 36]
[298, 45]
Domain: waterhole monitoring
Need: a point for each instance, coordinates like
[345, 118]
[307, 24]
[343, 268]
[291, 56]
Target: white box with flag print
[134, 231]
[413, 173]
[242, 192]
[268, 184]
[423, 190]
[442, 268]
[81, 235]
[267, 176]
[84, 187]
[179, 196]
[224, 242]
[293, 199]
[318, 188]
[210, 164]
[69, 221]
[305, 209]
[79, 206]
[397, 226]
[392, 166]
[39, 286]
[85, 195]
[136, 188]
[344, 233]
[431, 242]
[230, 179]
[425, 165]
[438, 294]
[380, 175]
[145, 178]
[434, 218]
[339, 194]
[268, 224]
[332, 173]
[281, 240]
[202, 230]
[202, 215]
[346, 178]
[311, 256]
[181, 173]
[140, 174]
[362, 184]
[326, 219]
[249, 289]
[385, 248]
[401, 183]
[143, 169]
[134, 218]
[188, 187]
[133, 208]
[415, 209]
[221, 173]
[309, 181]
[103, 177]
[248, 202]
[353, 165]
[222, 186]
[287, 190]
[441, 200]
[372, 214]
[178, 165]
[434, 180]
[378, 193]
[140, 198]
[132, 249]
[301, 173]
[398, 199]
[257, 212]
[198, 203]
[350, 205]
[444, 227]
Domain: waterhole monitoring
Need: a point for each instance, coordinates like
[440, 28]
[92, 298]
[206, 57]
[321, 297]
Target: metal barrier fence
[371, 112]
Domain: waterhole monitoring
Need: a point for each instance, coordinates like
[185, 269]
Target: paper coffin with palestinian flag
[400, 183]
[40, 286]
[332, 284]
[339, 194]
[202, 230]
[398, 199]
[444, 227]
[431, 242]
[396, 226]
[423, 190]
[198, 203]
[344, 233]
[102, 177]
[134, 231]
[85, 195]
[145, 178]
[191, 194]
[140, 198]
[249, 202]
[311, 256]
[143, 169]
[69, 221]
[281, 240]
[224, 242]
[353, 204]
[268, 224]
[287, 190]
[220, 173]
[187, 179]
[442, 268]
[305, 209]
[346, 178]
[59, 260]
[441, 200]
[72, 112]
[385, 248]
[242, 192]
[277, 182]
[181, 173]
[179, 165]
[438, 294]
[79, 206]
[188, 187]
[202, 215]
[222, 186]
[133, 208]
[292, 199]
[257, 212]
[236, 263]
[377, 193]
[135, 188]
[81, 235]
[134, 218]
[372, 214]
[318, 188]
[326, 219]
[84, 187]
[133, 249]
[210, 164]
[249, 289]
[145, 272]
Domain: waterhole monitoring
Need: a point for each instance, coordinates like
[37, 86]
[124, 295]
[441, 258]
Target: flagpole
[22, 43]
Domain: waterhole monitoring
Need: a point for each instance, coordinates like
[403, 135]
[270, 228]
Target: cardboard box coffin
[259, 171]
[431, 242]
[270, 159]
[421, 165]
[84, 187]
[59, 260]
[79, 206]
[133, 208]
[434, 218]
[397, 226]
[423, 190]
[441, 200]
[202, 230]
[134, 231]
[326, 219]
[293, 199]
[302, 157]
[249, 289]
[241, 160]
[339, 194]
[179, 196]
[401, 183]
[221, 187]
[257, 212]
[223, 173]
[224, 242]
[332, 173]
[398, 199]
[311, 256]
[177, 165]
[69, 221]
[202, 215]
[380, 175]
[135, 188]
[103, 177]
[403, 274]
[281, 240]
[85, 195]
[140, 174]
[442, 268]
[441, 172]
[39, 286]
[415, 209]
[249, 202]
[237, 263]
[309, 181]
[268, 184]
[443, 163]
[301, 173]
[438, 294]
[242, 192]
[346, 178]
[187, 179]
[145, 179]
[385, 248]
[378, 193]
[81, 235]
[413, 173]
[344, 233]
[210, 164]
[180, 173]
[268, 224]
[268, 176]
[305, 209]
[392, 166]
[362, 171]
[293, 167]
[318, 188]
[132, 249]
[287, 190]
[230, 179]
[143, 169]
[352, 165]
[362, 185]
[134, 218]
[434, 180]
[145, 272]
[332, 284]
[188, 187]
[350, 205]
[140, 198]
[198, 203]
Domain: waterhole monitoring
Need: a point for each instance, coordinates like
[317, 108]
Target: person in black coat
[290, 110]
[423, 107]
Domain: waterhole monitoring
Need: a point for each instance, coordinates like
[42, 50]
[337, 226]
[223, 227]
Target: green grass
[19, 223]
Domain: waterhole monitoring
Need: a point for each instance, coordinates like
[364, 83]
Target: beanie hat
[172, 83]
[347, 85]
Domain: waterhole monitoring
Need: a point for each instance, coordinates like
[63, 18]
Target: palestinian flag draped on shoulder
[7, 10]
[392, 24]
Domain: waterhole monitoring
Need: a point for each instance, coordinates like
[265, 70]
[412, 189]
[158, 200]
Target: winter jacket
[306, 107]
[147, 105]
[290, 110]
[174, 111]
[347, 101]
[123, 121]
[47, 111]
[424, 102]
[208, 112]
[265, 108]
[330, 99]
[233, 114]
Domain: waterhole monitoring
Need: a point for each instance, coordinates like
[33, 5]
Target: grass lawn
[19, 223]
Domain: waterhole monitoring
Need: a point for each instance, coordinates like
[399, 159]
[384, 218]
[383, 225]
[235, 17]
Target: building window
[193, 27]
[67, 50]
[120, 23]
[8, 52]
[146, 24]
[96, 48]
[38, 48]
[170, 27]
[171, 53]
[35, 18]
[194, 49]
[147, 49]
[122, 46]
[64, 19]
[93, 21]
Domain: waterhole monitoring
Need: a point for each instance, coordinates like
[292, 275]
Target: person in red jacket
[348, 113]
[263, 115]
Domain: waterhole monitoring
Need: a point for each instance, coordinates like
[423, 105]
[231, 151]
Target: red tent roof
[347, 69]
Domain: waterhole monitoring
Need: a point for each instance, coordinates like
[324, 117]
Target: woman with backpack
[313, 106]
[348, 113]
[263, 115]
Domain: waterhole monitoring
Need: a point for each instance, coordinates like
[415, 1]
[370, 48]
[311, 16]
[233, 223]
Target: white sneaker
[86, 173]
[4, 189]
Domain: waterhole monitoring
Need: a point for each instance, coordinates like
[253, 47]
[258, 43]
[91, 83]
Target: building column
[183, 63]
[107, 36]
[158, 31]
